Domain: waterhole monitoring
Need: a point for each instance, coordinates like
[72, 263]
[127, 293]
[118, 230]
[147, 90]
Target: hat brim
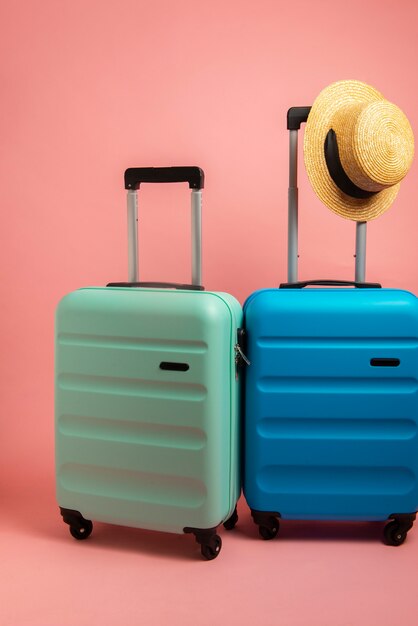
[319, 123]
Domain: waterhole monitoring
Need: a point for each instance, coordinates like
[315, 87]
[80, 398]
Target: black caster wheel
[211, 549]
[270, 531]
[82, 531]
[393, 535]
[232, 521]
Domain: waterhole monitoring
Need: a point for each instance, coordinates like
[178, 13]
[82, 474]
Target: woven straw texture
[375, 142]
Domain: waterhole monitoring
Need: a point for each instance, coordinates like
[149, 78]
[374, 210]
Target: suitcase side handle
[152, 285]
[134, 176]
[330, 283]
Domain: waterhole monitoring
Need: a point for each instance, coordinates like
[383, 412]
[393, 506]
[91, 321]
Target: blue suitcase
[331, 407]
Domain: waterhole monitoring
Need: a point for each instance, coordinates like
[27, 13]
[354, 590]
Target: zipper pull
[240, 358]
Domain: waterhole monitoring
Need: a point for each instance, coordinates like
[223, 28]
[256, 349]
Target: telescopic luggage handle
[295, 117]
[134, 177]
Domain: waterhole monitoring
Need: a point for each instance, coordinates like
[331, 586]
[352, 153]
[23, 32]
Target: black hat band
[336, 170]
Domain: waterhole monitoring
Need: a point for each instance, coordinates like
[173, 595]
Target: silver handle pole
[196, 237]
[132, 202]
[292, 242]
[361, 232]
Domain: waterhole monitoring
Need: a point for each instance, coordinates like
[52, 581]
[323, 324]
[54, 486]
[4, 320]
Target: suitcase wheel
[80, 528]
[231, 521]
[268, 523]
[212, 548]
[83, 531]
[210, 543]
[395, 532]
[271, 530]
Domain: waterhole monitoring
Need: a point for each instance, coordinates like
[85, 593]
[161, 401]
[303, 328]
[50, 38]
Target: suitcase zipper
[240, 358]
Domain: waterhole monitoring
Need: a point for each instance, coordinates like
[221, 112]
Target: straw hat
[357, 148]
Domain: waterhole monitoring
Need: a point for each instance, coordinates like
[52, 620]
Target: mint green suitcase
[147, 397]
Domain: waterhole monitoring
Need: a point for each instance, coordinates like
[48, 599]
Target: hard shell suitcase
[147, 396]
[331, 409]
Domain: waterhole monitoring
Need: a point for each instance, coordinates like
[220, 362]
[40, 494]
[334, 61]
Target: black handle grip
[296, 116]
[330, 283]
[134, 176]
[153, 285]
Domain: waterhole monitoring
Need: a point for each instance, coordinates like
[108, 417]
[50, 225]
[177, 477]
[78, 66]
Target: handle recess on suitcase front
[330, 283]
[193, 175]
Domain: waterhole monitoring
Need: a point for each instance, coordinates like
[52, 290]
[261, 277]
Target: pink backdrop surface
[88, 89]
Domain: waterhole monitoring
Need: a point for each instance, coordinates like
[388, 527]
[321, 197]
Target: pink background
[89, 88]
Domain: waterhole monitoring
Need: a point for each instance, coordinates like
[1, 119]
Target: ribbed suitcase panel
[137, 444]
[328, 434]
